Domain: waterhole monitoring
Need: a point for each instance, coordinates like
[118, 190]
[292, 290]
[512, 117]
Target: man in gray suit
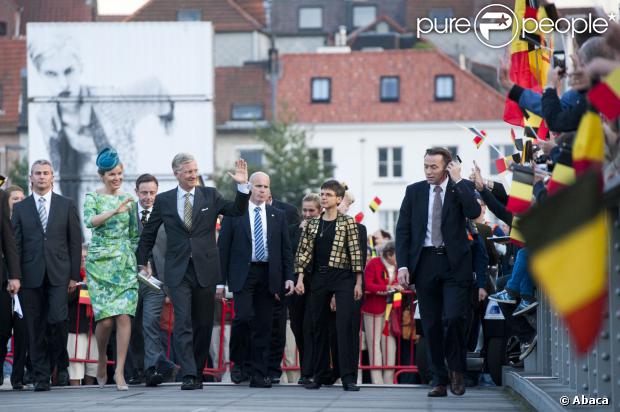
[147, 343]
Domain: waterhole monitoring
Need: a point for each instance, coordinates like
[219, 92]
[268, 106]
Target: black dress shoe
[313, 385]
[17, 386]
[137, 379]
[189, 383]
[457, 384]
[304, 380]
[275, 380]
[62, 379]
[41, 386]
[258, 382]
[350, 387]
[237, 375]
[152, 377]
[438, 391]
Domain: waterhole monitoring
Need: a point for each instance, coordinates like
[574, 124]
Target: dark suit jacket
[57, 251]
[292, 213]
[235, 245]
[9, 259]
[199, 244]
[158, 256]
[459, 203]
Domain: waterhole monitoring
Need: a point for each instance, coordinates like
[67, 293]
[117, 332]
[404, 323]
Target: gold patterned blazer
[345, 252]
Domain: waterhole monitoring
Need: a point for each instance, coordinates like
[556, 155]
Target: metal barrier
[596, 374]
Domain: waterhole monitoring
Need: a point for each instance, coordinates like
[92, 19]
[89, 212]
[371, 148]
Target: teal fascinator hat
[107, 159]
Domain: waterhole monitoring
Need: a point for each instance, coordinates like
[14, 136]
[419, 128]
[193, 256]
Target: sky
[125, 7]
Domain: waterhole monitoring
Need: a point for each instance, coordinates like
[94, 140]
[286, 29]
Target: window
[440, 16]
[247, 112]
[321, 89]
[506, 149]
[3, 28]
[189, 15]
[388, 220]
[325, 158]
[253, 157]
[390, 89]
[444, 87]
[364, 15]
[390, 162]
[310, 18]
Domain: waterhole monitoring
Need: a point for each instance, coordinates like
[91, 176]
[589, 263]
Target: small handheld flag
[374, 204]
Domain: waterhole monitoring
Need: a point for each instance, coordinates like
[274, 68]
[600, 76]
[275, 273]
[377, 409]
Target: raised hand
[241, 172]
[124, 206]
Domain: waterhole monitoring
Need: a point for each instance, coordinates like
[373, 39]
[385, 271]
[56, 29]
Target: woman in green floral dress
[111, 262]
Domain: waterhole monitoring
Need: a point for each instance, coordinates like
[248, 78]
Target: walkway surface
[226, 397]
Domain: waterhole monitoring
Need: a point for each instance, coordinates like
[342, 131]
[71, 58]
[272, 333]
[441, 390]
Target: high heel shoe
[121, 387]
[102, 381]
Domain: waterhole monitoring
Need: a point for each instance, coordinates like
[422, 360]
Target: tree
[294, 168]
[18, 174]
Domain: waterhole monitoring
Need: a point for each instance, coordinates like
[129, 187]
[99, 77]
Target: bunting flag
[563, 173]
[359, 217]
[517, 142]
[530, 58]
[568, 244]
[605, 96]
[84, 298]
[374, 205]
[589, 145]
[388, 310]
[515, 234]
[521, 190]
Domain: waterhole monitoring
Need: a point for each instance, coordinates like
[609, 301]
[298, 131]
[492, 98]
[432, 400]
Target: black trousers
[135, 357]
[250, 334]
[11, 324]
[324, 285]
[193, 322]
[278, 336]
[301, 326]
[444, 311]
[333, 339]
[46, 315]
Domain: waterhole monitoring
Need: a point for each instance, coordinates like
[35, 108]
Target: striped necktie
[187, 212]
[259, 245]
[42, 213]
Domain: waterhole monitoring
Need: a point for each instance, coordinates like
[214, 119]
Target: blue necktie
[259, 246]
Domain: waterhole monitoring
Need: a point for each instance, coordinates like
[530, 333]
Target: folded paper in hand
[17, 307]
[150, 281]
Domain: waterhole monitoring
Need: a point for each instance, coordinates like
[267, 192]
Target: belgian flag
[563, 173]
[589, 145]
[374, 205]
[521, 190]
[84, 298]
[568, 243]
[515, 234]
[605, 96]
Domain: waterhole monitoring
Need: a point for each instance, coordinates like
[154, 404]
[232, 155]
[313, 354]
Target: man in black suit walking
[433, 254]
[189, 214]
[49, 242]
[257, 262]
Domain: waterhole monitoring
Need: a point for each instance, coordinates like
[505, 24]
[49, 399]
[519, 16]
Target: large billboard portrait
[145, 89]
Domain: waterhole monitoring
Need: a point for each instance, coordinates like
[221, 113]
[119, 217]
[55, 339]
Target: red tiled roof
[355, 82]
[226, 15]
[13, 52]
[240, 85]
[55, 10]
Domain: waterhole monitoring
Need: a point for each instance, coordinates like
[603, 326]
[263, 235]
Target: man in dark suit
[189, 214]
[280, 309]
[49, 243]
[148, 352]
[257, 262]
[433, 253]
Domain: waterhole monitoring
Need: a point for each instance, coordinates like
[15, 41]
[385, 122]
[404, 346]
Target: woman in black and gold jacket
[329, 245]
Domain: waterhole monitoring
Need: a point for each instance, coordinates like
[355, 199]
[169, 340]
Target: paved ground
[224, 397]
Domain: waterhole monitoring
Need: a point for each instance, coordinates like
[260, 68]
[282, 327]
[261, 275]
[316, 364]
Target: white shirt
[263, 218]
[181, 201]
[48, 202]
[148, 215]
[431, 199]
